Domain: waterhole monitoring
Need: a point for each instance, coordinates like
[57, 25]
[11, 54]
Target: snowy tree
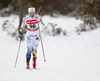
[91, 13]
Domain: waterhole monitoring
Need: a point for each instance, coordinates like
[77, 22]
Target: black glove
[20, 36]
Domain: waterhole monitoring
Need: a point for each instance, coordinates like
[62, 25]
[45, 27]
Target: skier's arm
[21, 29]
[42, 23]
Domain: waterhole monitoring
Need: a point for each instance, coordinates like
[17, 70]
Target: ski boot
[34, 63]
[27, 65]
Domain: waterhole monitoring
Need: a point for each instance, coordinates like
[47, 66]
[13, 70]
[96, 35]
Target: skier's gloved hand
[20, 36]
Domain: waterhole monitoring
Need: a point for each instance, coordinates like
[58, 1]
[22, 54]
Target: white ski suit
[32, 34]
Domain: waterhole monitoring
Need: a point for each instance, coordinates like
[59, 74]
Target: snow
[69, 58]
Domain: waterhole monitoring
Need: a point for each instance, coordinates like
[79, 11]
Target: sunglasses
[31, 13]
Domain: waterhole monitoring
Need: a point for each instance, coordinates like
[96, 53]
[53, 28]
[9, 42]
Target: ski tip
[44, 60]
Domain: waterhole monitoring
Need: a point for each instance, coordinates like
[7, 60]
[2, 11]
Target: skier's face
[31, 14]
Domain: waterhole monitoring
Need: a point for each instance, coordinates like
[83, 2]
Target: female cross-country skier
[32, 34]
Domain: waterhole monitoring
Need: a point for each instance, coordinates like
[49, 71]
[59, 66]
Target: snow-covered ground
[69, 58]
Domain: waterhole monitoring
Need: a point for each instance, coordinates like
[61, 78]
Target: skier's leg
[34, 58]
[29, 46]
[34, 51]
[35, 45]
[28, 55]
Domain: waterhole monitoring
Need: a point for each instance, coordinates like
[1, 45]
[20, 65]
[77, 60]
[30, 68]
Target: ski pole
[40, 35]
[39, 10]
[41, 43]
[17, 53]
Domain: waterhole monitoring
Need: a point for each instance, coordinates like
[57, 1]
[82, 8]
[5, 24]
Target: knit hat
[32, 9]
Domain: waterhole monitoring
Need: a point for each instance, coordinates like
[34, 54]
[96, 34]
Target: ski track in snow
[69, 58]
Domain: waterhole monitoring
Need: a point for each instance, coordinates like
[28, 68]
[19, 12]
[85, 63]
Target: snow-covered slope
[69, 58]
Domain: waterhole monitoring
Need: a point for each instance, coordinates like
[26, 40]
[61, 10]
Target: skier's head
[31, 11]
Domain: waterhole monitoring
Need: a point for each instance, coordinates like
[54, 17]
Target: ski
[32, 69]
[35, 69]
